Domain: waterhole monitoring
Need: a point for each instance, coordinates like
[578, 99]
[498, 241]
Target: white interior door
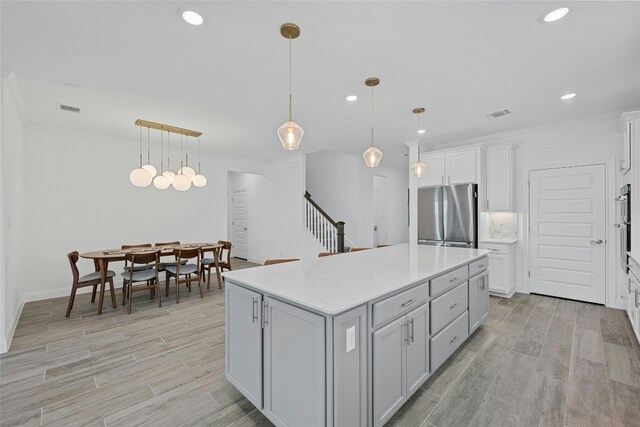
[567, 234]
[239, 223]
[376, 216]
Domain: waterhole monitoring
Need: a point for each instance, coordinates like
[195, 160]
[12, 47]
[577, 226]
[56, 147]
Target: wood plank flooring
[537, 361]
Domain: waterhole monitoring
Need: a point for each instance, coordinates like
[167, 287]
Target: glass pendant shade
[151, 169]
[419, 168]
[140, 177]
[161, 182]
[290, 135]
[169, 175]
[199, 180]
[188, 171]
[372, 157]
[181, 182]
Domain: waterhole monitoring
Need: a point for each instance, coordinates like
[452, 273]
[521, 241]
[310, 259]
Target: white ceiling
[228, 78]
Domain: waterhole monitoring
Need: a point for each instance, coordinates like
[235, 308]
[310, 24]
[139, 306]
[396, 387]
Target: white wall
[12, 271]
[343, 187]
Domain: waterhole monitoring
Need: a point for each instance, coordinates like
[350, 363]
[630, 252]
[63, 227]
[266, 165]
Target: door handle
[265, 313]
[254, 310]
[411, 323]
[244, 228]
[596, 242]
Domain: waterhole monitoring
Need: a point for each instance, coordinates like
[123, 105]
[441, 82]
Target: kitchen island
[346, 340]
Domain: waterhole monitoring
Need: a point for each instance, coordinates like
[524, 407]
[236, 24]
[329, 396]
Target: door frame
[610, 284]
[230, 215]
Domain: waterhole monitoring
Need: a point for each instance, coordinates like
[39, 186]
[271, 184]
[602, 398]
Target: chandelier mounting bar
[167, 128]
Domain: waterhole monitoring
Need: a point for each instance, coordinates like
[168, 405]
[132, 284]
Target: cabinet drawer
[398, 304]
[446, 342]
[478, 266]
[447, 307]
[449, 280]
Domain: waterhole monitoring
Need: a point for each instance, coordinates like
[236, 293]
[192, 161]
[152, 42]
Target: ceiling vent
[68, 108]
[498, 113]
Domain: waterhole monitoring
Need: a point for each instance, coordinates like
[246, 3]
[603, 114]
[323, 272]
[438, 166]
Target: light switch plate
[351, 339]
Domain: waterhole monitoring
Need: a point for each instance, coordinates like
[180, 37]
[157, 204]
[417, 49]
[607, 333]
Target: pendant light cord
[161, 152]
[198, 155]
[290, 95]
[148, 146]
[372, 116]
[181, 152]
[186, 144]
[141, 148]
[168, 153]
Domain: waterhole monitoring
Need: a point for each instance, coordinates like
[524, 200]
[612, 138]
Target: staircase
[329, 233]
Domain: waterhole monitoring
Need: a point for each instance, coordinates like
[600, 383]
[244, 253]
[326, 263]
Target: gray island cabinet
[346, 340]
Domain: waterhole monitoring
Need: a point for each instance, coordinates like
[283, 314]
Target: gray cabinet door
[294, 365]
[483, 297]
[475, 284]
[243, 348]
[388, 370]
[417, 370]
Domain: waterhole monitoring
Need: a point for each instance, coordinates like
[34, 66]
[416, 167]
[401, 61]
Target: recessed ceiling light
[555, 14]
[193, 18]
[421, 131]
[567, 96]
[351, 98]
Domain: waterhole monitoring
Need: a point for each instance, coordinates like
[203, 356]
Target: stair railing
[328, 232]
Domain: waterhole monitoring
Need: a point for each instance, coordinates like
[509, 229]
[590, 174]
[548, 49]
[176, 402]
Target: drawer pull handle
[481, 266]
[408, 303]
[454, 306]
[454, 339]
[455, 279]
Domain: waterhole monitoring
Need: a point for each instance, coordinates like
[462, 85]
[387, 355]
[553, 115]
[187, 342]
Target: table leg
[216, 255]
[103, 283]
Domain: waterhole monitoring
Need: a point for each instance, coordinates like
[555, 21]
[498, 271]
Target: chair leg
[113, 293]
[177, 290]
[200, 287]
[93, 294]
[72, 297]
[158, 292]
[166, 283]
[130, 295]
[208, 278]
[124, 291]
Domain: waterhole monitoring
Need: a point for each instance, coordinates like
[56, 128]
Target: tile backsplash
[498, 225]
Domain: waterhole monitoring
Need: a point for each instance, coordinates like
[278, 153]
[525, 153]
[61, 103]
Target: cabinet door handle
[408, 303]
[254, 310]
[628, 286]
[455, 279]
[411, 323]
[454, 306]
[454, 339]
[265, 313]
[637, 293]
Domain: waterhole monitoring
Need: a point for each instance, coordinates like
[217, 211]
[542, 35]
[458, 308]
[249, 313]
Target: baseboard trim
[14, 325]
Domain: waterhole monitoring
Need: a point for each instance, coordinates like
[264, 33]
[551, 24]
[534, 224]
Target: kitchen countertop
[500, 241]
[335, 284]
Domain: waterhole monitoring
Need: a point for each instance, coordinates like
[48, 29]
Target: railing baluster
[327, 232]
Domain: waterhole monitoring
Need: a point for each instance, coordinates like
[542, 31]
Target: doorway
[379, 210]
[239, 223]
[567, 233]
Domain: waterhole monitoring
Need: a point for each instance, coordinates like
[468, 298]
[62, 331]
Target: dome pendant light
[169, 173]
[199, 180]
[181, 182]
[149, 167]
[290, 133]
[140, 177]
[161, 182]
[418, 167]
[372, 155]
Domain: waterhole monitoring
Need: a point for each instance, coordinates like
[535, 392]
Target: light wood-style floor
[538, 361]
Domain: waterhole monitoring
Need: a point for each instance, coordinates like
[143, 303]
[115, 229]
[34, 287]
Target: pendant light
[169, 173]
[140, 177]
[372, 155]
[149, 167]
[161, 182]
[186, 170]
[181, 182]
[418, 167]
[199, 180]
[290, 133]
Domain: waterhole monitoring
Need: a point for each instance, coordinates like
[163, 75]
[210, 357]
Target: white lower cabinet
[502, 266]
[633, 303]
[400, 362]
[478, 300]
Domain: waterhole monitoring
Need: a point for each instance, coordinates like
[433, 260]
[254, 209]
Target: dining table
[104, 256]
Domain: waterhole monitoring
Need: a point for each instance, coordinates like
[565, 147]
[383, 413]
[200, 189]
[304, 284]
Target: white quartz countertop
[334, 284]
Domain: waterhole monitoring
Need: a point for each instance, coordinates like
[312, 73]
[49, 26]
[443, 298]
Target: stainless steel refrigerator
[448, 215]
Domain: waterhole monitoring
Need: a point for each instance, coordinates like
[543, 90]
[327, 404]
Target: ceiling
[228, 77]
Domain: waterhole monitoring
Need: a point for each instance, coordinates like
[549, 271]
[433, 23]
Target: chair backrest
[321, 254]
[187, 253]
[280, 261]
[176, 243]
[226, 250]
[206, 249]
[73, 259]
[142, 258]
[359, 249]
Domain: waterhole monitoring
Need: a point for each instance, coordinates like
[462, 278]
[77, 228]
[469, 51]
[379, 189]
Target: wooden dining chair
[149, 275]
[163, 264]
[92, 279]
[225, 255]
[206, 264]
[187, 270]
[280, 261]
[127, 267]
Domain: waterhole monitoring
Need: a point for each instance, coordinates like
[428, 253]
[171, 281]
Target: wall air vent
[68, 108]
[498, 113]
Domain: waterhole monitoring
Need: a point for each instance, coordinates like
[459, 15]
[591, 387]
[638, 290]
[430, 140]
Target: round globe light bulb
[188, 171]
[199, 180]
[161, 182]
[181, 182]
[169, 175]
[419, 168]
[140, 177]
[151, 169]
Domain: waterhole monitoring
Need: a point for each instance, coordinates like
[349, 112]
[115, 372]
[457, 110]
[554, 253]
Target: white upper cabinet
[434, 171]
[461, 167]
[500, 178]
